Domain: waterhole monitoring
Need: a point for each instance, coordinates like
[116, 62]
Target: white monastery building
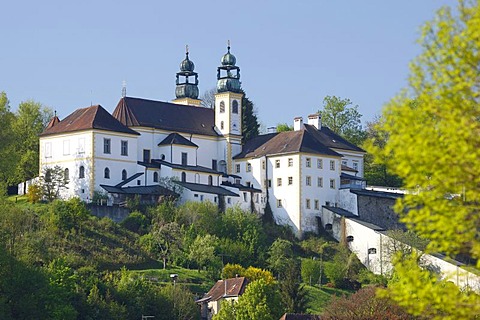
[144, 143]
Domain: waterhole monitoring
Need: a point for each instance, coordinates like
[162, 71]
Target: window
[124, 148]
[155, 177]
[307, 203]
[344, 163]
[277, 163]
[263, 164]
[106, 146]
[222, 107]
[214, 165]
[81, 172]
[106, 173]
[184, 158]
[81, 145]
[124, 174]
[237, 168]
[349, 238]
[249, 167]
[290, 181]
[332, 165]
[332, 183]
[269, 183]
[210, 180]
[320, 182]
[66, 147]
[229, 200]
[138, 182]
[279, 182]
[235, 106]
[328, 227]
[290, 162]
[244, 197]
[197, 178]
[308, 162]
[184, 177]
[279, 203]
[48, 149]
[308, 180]
[372, 250]
[221, 125]
[316, 205]
[201, 197]
[146, 155]
[355, 165]
[66, 174]
[256, 197]
[319, 163]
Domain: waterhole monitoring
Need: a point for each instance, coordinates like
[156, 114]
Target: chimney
[315, 120]
[297, 123]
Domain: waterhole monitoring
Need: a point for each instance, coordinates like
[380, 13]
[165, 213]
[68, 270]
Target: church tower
[186, 91]
[228, 105]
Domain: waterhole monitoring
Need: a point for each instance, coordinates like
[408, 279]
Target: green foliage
[136, 222]
[69, 214]
[278, 255]
[52, 181]
[342, 118]
[343, 270]
[311, 271]
[250, 123]
[34, 193]
[260, 301]
[163, 241]
[292, 292]
[283, 127]
[202, 251]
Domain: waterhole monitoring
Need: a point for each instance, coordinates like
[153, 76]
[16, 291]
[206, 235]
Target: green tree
[343, 118]
[7, 154]
[53, 181]
[202, 251]
[31, 119]
[282, 127]
[292, 292]
[260, 301]
[165, 240]
[279, 254]
[250, 125]
[433, 147]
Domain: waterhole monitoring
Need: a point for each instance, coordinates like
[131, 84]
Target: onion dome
[228, 74]
[184, 87]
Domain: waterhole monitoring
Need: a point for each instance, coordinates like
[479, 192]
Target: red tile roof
[94, 117]
[232, 287]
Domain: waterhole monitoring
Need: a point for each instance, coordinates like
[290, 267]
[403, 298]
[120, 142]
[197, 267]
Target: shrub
[136, 222]
[34, 193]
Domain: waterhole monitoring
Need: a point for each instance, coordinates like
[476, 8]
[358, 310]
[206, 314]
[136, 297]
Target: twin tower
[228, 98]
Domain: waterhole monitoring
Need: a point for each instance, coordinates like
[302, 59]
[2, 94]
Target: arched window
[197, 178]
[221, 125]
[184, 177]
[222, 107]
[210, 180]
[106, 173]
[235, 106]
[155, 177]
[66, 174]
[124, 174]
[81, 172]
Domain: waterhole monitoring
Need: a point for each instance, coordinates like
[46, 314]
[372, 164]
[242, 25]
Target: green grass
[196, 281]
[320, 297]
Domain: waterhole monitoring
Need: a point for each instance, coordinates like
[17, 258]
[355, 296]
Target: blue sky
[70, 54]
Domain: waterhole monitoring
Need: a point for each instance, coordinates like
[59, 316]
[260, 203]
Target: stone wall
[115, 212]
[379, 210]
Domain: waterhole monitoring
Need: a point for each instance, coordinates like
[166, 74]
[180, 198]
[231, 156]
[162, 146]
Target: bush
[34, 193]
[136, 222]
[311, 270]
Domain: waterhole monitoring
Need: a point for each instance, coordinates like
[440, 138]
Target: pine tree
[250, 126]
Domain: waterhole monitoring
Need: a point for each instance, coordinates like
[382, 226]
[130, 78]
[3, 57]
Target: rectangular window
[290, 181]
[332, 165]
[48, 149]
[81, 145]
[256, 197]
[124, 148]
[244, 197]
[279, 203]
[308, 162]
[316, 205]
[184, 158]
[320, 182]
[146, 155]
[332, 183]
[308, 180]
[355, 165]
[279, 182]
[249, 167]
[269, 183]
[263, 164]
[290, 162]
[214, 165]
[237, 168]
[277, 163]
[307, 203]
[66, 147]
[106, 146]
[319, 163]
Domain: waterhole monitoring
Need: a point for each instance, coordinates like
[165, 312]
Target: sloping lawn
[319, 298]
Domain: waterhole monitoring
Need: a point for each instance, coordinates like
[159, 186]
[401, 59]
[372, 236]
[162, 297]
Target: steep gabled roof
[284, 142]
[233, 287]
[94, 117]
[136, 112]
[330, 139]
[175, 138]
